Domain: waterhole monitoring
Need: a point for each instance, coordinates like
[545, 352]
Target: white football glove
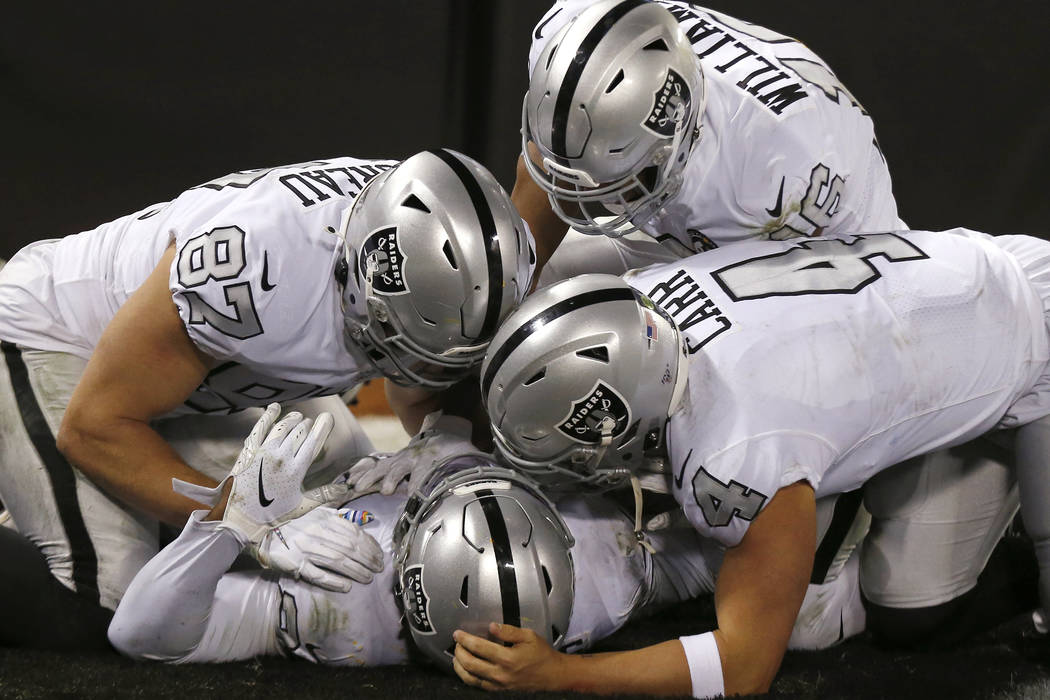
[439, 438]
[268, 476]
[323, 548]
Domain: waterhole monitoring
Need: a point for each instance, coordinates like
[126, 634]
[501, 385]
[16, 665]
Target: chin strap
[639, 533]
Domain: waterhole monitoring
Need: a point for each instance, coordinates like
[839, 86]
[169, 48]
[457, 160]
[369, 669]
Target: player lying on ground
[690, 128]
[767, 374]
[476, 542]
[275, 284]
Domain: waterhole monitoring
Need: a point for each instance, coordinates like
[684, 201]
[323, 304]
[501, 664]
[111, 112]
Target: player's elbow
[79, 432]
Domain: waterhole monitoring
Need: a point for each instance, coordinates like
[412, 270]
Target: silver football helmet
[613, 107]
[579, 382]
[477, 544]
[436, 256]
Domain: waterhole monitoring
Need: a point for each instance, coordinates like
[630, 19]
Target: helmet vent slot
[536, 377]
[447, 250]
[426, 320]
[414, 202]
[615, 81]
[463, 592]
[550, 57]
[547, 581]
[599, 353]
[657, 45]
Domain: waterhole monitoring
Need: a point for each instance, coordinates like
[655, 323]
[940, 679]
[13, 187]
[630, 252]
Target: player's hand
[323, 548]
[529, 663]
[267, 479]
[439, 438]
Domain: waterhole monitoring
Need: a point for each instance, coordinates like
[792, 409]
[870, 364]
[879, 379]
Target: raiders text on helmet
[437, 256]
[580, 380]
[478, 544]
[613, 107]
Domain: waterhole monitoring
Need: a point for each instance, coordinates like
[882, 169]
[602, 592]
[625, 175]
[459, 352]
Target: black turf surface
[1007, 663]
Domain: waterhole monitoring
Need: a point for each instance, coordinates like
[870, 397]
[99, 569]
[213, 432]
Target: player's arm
[144, 366]
[534, 206]
[760, 588]
[413, 404]
[172, 612]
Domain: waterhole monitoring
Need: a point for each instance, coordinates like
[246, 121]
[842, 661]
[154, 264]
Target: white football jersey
[828, 360]
[253, 280]
[785, 150]
[209, 615]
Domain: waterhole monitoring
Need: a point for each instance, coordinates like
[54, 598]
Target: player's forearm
[660, 669]
[533, 205]
[132, 462]
[166, 610]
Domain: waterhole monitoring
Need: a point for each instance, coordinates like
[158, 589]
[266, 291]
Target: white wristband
[705, 665]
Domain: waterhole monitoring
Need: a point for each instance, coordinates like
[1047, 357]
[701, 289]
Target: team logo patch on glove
[601, 412]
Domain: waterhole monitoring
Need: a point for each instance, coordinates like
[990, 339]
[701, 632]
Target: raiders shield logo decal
[381, 257]
[417, 605]
[701, 243]
[670, 104]
[601, 411]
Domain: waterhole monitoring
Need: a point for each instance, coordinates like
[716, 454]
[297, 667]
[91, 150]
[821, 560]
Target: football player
[475, 542]
[286, 283]
[674, 129]
[769, 374]
[687, 129]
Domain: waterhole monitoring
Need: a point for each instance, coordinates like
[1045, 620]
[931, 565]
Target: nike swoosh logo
[775, 211]
[266, 286]
[681, 472]
[263, 500]
[539, 29]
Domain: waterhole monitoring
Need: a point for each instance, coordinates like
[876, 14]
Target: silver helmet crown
[580, 380]
[613, 108]
[477, 544]
[437, 257]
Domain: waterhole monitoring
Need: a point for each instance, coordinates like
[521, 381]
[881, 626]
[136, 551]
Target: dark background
[108, 107]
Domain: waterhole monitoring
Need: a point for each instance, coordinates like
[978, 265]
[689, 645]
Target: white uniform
[253, 280]
[785, 151]
[183, 607]
[828, 361]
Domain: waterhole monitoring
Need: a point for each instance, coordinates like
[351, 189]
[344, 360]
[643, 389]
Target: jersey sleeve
[723, 494]
[183, 607]
[251, 283]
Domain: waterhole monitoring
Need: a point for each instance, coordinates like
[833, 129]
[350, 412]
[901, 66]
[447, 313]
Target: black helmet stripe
[491, 239]
[508, 581]
[572, 76]
[580, 301]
